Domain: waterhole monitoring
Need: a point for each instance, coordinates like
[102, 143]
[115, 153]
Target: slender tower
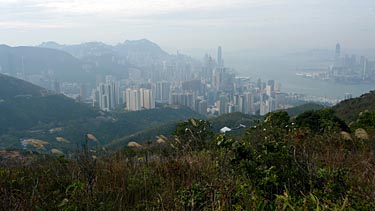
[219, 57]
[23, 69]
[337, 52]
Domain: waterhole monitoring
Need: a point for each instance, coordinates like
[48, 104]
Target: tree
[321, 121]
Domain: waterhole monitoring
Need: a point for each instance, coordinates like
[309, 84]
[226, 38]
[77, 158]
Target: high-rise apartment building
[107, 95]
[185, 99]
[133, 102]
[147, 100]
[162, 91]
[139, 99]
[223, 104]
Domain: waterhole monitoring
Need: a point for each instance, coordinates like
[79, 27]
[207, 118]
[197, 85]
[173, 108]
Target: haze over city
[187, 105]
[192, 25]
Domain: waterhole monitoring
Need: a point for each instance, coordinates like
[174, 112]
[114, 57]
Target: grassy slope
[149, 134]
[105, 129]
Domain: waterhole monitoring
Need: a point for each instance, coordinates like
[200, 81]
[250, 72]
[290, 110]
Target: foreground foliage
[280, 164]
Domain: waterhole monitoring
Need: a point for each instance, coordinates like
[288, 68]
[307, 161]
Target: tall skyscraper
[337, 52]
[202, 107]
[223, 104]
[133, 100]
[162, 91]
[207, 69]
[139, 99]
[95, 97]
[219, 57]
[108, 94]
[219, 78]
[271, 83]
[185, 99]
[249, 103]
[104, 96]
[82, 93]
[365, 69]
[147, 100]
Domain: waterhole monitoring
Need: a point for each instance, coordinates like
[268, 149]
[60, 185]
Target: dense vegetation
[106, 128]
[295, 111]
[319, 159]
[311, 162]
[24, 113]
[11, 87]
[349, 110]
[25, 106]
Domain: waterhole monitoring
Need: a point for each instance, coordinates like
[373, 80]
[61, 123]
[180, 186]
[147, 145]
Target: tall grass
[336, 174]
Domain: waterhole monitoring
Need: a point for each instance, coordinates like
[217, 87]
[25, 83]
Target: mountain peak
[50, 44]
[142, 43]
[143, 46]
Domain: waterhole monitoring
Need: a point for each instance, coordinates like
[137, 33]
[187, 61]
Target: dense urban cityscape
[208, 86]
[187, 105]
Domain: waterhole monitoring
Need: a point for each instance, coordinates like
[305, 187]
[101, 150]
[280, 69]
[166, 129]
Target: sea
[284, 71]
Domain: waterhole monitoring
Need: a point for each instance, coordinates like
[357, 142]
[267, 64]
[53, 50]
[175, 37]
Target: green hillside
[295, 111]
[12, 87]
[232, 120]
[349, 110]
[26, 108]
[24, 105]
[308, 162]
[106, 128]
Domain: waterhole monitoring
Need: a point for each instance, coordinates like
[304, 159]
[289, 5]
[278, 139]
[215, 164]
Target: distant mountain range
[82, 62]
[35, 60]
[126, 49]
[137, 53]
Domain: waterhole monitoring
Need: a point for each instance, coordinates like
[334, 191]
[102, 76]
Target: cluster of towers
[351, 68]
[209, 89]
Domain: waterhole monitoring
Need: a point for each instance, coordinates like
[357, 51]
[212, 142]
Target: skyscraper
[202, 107]
[337, 52]
[223, 104]
[108, 94]
[185, 99]
[146, 99]
[249, 103]
[162, 91]
[82, 92]
[219, 57]
[138, 99]
[132, 100]
[104, 102]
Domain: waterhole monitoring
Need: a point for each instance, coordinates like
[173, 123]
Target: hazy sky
[192, 24]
